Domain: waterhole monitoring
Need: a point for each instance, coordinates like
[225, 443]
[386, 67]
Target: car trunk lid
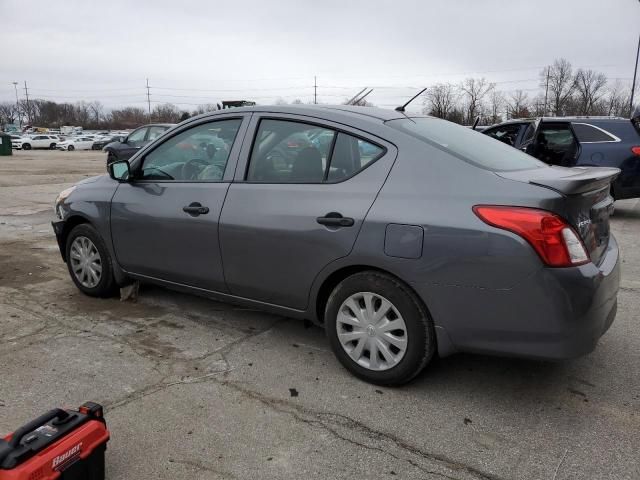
[585, 203]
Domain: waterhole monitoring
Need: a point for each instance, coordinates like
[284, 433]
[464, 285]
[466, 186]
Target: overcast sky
[197, 52]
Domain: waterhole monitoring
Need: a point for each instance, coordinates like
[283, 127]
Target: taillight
[552, 238]
[636, 150]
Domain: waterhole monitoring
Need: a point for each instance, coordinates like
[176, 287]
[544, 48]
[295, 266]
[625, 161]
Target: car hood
[95, 179]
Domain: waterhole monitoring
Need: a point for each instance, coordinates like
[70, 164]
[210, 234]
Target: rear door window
[587, 133]
[287, 151]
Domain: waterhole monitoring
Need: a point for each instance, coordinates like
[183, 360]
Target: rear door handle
[194, 209]
[335, 219]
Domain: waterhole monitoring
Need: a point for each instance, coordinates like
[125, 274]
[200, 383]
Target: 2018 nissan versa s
[403, 236]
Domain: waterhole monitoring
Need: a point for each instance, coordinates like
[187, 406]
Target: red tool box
[59, 445]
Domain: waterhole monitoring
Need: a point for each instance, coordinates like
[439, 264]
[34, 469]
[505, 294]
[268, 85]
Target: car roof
[338, 112]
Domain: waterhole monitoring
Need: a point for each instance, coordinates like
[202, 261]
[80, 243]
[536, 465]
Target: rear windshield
[468, 145]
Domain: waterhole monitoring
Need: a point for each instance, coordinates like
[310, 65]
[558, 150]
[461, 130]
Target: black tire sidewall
[420, 332]
[106, 286]
[70, 148]
[26, 146]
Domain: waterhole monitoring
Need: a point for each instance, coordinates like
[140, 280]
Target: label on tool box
[46, 430]
[67, 458]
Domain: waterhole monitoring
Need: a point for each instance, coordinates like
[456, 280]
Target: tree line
[91, 115]
[562, 91]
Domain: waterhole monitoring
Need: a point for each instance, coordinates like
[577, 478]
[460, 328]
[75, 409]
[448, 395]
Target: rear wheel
[89, 262]
[26, 146]
[379, 329]
[71, 148]
[52, 146]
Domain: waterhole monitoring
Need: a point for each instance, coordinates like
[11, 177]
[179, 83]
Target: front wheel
[52, 146]
[379, 329]
[111, 158]
[26, 146]
[89, 262]
[70, 148]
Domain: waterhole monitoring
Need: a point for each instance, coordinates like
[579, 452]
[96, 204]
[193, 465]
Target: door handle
[335, 219]
[194, 209]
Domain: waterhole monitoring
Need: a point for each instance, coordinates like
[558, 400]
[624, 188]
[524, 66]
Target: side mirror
[119, 170]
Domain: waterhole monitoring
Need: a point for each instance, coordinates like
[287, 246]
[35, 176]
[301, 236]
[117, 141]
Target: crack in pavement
[201, 466]
[327, 421]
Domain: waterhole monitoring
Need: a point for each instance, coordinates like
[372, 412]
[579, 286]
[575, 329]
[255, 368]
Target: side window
[507, 133]
[199, 154]
[350, 155]
[155, 132]
[295, 152]
[137, 137]
[589, 134]
[289, 152]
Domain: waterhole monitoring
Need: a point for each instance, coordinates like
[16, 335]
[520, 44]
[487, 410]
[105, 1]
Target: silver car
[403, 236]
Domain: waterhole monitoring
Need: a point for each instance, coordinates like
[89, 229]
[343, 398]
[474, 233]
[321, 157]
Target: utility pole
[26, 94]
[546, 92]
[315, 90]
[15, 86]
[635, 73]
[148, 100]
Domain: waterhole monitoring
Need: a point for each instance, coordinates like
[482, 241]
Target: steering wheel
[192, 168]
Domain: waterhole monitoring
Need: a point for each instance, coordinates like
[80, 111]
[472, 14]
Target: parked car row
[85, 141]
[375, 226]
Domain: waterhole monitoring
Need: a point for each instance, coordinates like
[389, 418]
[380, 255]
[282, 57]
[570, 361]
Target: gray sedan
[404, 237]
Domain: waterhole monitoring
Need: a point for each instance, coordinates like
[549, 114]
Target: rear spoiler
[568, 181]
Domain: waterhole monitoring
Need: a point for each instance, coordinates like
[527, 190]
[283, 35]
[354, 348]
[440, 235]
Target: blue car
[580, 142]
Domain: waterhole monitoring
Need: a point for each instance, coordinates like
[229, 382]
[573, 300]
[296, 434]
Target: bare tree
[561, 84]
[617, 102]
[518, 105]
[97, 111]
[496, 102]
[166, 112]
[474, 90]
[82, 113]
[440, 100]
[590, 86]
[8, 113]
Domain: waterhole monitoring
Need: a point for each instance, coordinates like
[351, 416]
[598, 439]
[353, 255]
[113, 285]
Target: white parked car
[35, 141]
[77, 143]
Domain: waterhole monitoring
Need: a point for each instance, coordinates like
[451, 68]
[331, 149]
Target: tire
[52, 146]
[418, 332]
[84, 238]
[111, 158]
[26, 146]
[70, 148]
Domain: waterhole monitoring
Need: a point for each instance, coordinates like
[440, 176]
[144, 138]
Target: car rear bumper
[555, 313]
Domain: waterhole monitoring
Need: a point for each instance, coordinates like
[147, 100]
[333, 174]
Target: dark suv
[134, 141]
[580, 142]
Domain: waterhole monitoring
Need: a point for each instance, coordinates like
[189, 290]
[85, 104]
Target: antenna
[355, 96]
[401, 109]
[359, 99]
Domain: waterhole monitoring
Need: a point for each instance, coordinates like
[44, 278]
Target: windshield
[468, 145]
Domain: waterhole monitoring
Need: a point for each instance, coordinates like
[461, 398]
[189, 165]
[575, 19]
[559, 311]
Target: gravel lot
[202, 390]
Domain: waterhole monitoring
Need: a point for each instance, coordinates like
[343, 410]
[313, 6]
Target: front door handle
[335, 219]
[194, 209]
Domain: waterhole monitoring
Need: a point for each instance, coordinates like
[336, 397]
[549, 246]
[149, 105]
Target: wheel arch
[334, 278]
[69, 224]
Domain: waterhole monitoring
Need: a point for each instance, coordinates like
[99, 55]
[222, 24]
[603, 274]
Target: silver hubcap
[372, 331]
[85, 262]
